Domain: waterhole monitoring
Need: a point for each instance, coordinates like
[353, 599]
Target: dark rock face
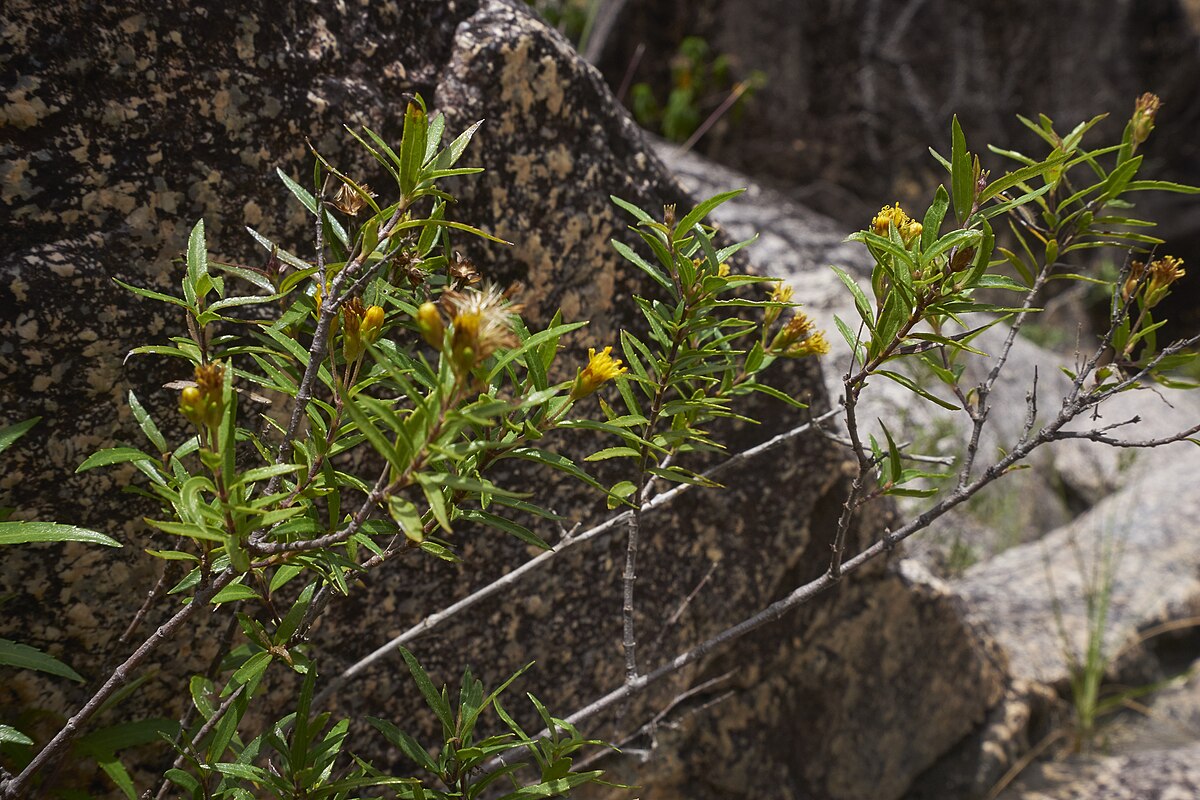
[126, 123]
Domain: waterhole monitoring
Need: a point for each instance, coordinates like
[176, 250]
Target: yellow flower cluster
[480, 324]
[601, 368]
[1156, 277]
[799, 338]
[361, 327]
[894, 217]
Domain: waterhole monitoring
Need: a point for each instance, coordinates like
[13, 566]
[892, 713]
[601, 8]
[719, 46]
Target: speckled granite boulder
[126, 122]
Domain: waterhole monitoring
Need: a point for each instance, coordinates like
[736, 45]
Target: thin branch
[1102, 438]
[205, 730]
[12, 788]
[512, 578]
[807, 592]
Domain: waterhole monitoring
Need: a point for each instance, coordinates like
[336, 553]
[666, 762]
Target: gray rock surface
[1152, 775]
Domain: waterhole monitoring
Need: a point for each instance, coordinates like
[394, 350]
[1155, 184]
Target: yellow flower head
[362, 327]
[1165, 271]
[1157, 277]
[481, 325]
[798, 338]
[601, 368]
[889, 216]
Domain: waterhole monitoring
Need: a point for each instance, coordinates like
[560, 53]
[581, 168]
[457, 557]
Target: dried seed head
[349, 201]
[481, 322]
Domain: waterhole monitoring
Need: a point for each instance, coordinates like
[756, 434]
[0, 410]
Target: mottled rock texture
[124, 123]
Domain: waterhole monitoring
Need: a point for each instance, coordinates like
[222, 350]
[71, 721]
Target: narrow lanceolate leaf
[301, 193]
[147, 425]
[701, 211]
[28, 532]
[961, 177]
[11, 734]
[22, 656]
[10, 434]
[113, 455]
[432, 696]
[197, 265]
[860, 299]
[933, 217]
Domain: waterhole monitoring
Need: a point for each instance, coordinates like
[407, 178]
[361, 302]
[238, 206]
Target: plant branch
[512, 578]
[12, 788]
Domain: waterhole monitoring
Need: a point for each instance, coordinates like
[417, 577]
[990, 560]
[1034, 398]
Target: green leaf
[412, 147]
[124, 735]
[10, 434]
[27, 532]
[10, 735]
[407, 744]
[195, 285]
[22, 656]
[701, 211]
[614, 452]
[1020, 176]
[150, 294]
[234, 592]
[645, 266]
[641, 215]
[299, 191]
[453, 151]
[553, 788]
[912, 386]
[1161, 186]
[381, 443]
[252, 670]
[508, 526]
[147, 424]
[113, 455]
[432, 696]
[934, 217]
[437, 501]
[962, 175]
[860, 300]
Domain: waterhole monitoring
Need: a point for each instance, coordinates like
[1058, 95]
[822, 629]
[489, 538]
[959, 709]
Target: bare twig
[13, 788]
[807, 592]
[512, 578]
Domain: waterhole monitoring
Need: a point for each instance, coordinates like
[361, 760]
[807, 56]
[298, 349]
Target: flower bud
[372, 324]
[429, 323]
[191, 405]
[1144, 111]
